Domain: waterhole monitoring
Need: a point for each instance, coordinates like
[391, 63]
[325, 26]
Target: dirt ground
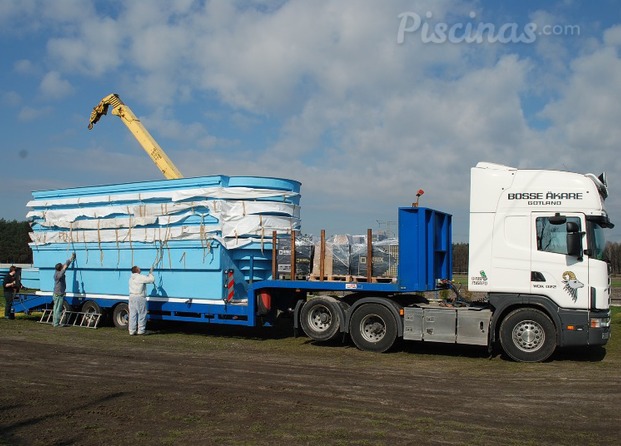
[191, 384]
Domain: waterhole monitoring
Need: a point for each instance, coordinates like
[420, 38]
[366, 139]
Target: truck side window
[552, 238]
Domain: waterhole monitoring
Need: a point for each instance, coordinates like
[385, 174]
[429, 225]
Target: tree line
[613, 254]
[14, 240]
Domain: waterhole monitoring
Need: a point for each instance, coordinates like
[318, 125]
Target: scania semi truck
[536, 261]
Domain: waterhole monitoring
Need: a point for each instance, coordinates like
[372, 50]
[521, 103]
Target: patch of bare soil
[213, 385]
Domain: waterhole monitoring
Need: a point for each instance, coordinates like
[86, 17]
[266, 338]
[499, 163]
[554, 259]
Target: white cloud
[585, 135]
[103, 162]
[190, 135]
[14, 15]
[586, 116]
[93, 49]
[32, 113]
[24, 66]
[66, 11]
[553, 49]
[11, 98]
[612, 36]
[53, 86]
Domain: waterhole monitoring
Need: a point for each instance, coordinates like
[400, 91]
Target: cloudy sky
[362, 101]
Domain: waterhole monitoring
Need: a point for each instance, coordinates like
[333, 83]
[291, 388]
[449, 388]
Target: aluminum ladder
[72, 318]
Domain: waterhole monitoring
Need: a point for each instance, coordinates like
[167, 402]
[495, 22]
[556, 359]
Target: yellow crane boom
[153, 149]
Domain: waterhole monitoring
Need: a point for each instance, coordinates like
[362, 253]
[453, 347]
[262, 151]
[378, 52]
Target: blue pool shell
[184, 269]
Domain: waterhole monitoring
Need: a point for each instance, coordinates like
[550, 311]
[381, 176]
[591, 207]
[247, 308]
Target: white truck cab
[536, 248]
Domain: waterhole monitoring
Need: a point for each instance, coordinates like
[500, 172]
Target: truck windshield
[596, 239]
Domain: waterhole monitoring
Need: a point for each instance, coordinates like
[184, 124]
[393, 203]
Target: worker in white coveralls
[138, 300]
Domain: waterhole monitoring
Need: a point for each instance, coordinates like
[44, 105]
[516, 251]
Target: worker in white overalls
[138, 301]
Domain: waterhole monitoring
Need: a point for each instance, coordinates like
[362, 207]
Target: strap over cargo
[234, 216]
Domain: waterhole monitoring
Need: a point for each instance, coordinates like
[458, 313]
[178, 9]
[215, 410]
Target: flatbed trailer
[425, 264]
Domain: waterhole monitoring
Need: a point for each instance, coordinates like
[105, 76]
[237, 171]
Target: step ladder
[72, 318]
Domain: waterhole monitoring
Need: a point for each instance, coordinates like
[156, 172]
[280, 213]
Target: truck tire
[120, 316]
[91, 309]
[527, 335]
[320, 318]
[373, 328]
[67, 307]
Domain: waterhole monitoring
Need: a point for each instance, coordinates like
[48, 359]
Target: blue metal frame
[197, 311]
[192, 310]
[25, 303]
[323, 286]
[425, 240]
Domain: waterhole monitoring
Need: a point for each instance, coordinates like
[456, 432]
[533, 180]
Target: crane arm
[145, 139]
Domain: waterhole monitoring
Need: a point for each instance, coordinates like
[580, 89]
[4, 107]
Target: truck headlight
[600, 322]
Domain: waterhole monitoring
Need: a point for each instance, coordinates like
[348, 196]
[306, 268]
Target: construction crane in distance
[148, 143]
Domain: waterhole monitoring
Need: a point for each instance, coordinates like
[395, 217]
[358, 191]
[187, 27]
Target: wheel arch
[91, 303]
[394, 307]
[67, 306]
[504, 304]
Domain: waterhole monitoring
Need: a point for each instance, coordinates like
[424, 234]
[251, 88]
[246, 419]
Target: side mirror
[574, 240]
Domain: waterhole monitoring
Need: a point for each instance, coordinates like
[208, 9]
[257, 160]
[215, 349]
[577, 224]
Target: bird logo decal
[572, 284]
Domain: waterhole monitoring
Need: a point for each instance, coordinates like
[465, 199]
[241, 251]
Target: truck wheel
[120, 316]
[90, 309]
[373, 328]
[320, 318]
[67, 308]
[527, 335]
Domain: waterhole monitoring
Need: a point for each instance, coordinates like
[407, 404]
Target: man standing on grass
[138, 301]
[11, 286]
[59, 290]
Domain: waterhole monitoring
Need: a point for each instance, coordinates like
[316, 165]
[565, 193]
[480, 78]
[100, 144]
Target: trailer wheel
[66, 306]
[527, 335]
[120, 316]
[373, 328]
[91, 308]
[320, 318]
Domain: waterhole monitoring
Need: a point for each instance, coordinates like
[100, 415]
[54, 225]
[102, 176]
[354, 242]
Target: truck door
[562, 277]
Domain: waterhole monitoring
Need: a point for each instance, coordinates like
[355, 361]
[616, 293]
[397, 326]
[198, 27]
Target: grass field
[212, 385]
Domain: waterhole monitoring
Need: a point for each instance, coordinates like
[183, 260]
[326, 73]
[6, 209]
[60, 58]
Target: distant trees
[460, 257]
[14, 240]
[613, 253]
